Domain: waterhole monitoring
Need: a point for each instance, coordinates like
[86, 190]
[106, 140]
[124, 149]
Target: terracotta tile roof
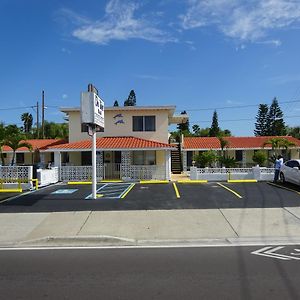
[114, 143]
[250, 142]
[37, 144]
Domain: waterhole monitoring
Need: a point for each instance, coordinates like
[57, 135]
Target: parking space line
[241, 180]
[176, 190]
[283, 187]
[125, 193]
[191, 181]
[230, 190]
[153, 181]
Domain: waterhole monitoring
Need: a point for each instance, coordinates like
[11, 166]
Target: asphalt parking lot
[137, 196]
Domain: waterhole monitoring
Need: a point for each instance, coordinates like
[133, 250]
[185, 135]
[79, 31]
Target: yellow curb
[79, 182]
[130, 188]
[176, 190]
[241, 180]
[153, 181]
[99, 195]
[230, 190]
[111, 180]
[11, 191]
[284, 188]
[192, 181]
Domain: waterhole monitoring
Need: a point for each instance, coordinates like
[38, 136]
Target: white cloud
[119, 23]
[242, 20]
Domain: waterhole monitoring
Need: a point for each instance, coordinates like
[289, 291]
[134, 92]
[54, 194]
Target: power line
[15, 108]
[236, 120]
[236, 106]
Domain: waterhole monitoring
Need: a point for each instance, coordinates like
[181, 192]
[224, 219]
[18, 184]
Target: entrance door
[112, 164]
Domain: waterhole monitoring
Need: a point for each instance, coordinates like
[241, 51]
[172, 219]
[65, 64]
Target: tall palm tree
[27, 119]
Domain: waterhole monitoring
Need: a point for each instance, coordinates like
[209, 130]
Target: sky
[228, 55]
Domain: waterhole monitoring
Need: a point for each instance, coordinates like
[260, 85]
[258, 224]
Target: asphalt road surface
[154, 196]
[160, 273]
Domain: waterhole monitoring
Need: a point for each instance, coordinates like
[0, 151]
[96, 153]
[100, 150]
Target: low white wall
[47, 176]
[223, 174]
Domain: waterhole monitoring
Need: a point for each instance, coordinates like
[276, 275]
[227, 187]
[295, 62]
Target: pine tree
[214, 129]
[261, 125]
[275, 123]
[131, 100]
[116, 103]
[184, 126]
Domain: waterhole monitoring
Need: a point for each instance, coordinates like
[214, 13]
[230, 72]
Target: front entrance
[112, 164]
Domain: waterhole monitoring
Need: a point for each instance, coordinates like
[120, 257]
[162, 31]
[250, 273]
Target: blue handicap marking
[111, 190]
[65, 191]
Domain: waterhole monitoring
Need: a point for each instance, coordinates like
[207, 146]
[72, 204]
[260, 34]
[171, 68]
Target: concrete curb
[119, 242]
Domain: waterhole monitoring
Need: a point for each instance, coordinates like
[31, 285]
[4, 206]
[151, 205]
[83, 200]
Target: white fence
[129, 173]
[223, 174]
[11, 173]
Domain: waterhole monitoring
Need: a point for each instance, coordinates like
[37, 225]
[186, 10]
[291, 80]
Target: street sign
[92, 109]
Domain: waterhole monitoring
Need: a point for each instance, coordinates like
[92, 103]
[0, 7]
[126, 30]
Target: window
[86, 158]
[143, 123]
[292, 164]
[239, 155]
[20, 158]
[144, 157]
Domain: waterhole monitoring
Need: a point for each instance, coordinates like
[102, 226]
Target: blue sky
[197, 55]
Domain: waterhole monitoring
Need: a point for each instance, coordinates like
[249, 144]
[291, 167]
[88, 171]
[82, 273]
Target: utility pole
[37, 119]
[43, 114]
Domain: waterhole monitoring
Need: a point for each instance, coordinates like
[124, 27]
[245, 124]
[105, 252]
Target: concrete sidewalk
[248, 225]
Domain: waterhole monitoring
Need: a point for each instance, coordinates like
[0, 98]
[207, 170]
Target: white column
[94, 168]
[168, 164]
[244, 161]
[57, 159]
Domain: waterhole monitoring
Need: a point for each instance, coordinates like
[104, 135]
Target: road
[159, 273]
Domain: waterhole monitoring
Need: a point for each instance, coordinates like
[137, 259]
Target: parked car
[290, 171]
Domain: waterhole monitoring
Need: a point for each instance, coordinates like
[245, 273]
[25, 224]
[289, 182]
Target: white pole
[94, 174]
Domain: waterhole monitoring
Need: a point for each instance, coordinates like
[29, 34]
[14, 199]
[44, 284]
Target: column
[168, 164]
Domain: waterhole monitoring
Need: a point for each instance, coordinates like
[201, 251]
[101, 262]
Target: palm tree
[278, 143]
[27, 119]
[223, 144]
[15, 140]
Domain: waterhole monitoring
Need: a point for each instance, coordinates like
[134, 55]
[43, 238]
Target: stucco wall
[160, 157]
[123, 129]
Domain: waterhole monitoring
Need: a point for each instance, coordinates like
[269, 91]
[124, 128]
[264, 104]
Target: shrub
[259, 157]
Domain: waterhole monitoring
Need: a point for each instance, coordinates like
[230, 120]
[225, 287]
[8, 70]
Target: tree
[214, 129]
[259, 157]
[278, 143]
[131, 100]
[27, 120]
[293, 131]
[184, 127]
[223, 144]
[196, 129]
[15, 140]
[116, 103]
[206, 159]
[2, 137]
[261, 125]
[56, 130]
[275, 122]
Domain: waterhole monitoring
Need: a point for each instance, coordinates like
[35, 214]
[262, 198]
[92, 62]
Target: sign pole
[94, 170]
